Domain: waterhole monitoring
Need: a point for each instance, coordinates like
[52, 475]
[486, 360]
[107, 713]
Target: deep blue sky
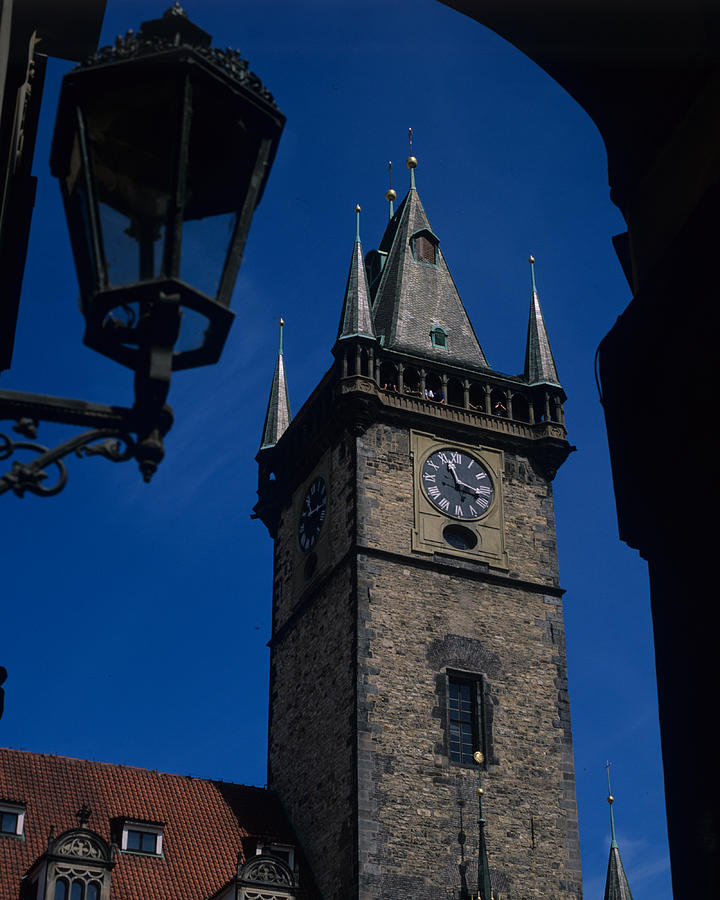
[136, 617]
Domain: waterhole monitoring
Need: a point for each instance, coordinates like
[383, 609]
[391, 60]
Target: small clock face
[457, 484]
[312, 514]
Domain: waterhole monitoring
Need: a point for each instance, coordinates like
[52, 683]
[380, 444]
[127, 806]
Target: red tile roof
[206, 822]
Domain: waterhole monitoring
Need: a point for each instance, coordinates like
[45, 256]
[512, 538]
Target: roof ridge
[145, 769]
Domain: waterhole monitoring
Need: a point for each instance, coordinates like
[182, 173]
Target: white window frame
[147, 828]
[17, 810]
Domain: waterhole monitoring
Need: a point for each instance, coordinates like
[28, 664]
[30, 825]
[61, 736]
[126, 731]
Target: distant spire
[390, 194]
[411, 162]
[539, 362]
[356, 319]
[616, 883]
[483, 877]
[611, 800]
[277, 417]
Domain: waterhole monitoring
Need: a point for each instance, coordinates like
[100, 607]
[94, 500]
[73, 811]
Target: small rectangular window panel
[8, 823]
[139, 837]
[142, 841]
[462, 720]
[12, 819]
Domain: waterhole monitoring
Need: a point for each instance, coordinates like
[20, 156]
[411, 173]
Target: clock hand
[461, 484]
[451, 467]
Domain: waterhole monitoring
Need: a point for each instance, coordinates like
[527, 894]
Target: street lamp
[163, 146]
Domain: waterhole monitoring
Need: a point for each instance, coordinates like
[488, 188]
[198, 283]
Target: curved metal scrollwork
[23, 477]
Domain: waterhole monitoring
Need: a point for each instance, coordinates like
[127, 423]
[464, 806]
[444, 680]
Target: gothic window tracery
[266, 877]
[75, 866]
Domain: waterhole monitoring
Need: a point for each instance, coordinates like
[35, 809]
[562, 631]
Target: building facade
[417, 609]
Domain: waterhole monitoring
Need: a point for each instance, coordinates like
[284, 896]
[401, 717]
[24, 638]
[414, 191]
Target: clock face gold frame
[458, 513]
[457, 483]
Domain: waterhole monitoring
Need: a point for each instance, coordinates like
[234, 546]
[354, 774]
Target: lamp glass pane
[205, 245]
[133, 248]
[131, 136]
[193, 328]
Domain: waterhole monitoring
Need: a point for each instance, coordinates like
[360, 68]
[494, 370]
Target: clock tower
[417, 609]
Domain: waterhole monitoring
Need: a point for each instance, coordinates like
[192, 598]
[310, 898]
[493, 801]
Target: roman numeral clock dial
[457, 484]
[312, 514]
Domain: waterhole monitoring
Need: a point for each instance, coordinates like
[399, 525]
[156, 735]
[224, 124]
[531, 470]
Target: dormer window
[12, 819]
[142, 837]
[77, 865]
[424, 247]
[439, 337]
[285, 852]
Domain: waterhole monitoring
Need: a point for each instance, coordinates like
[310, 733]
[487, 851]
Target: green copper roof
[356, 318]
[277, 417]
[415, 296]
[539, 362]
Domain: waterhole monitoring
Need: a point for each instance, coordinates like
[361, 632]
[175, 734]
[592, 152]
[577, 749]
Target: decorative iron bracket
[116, 433]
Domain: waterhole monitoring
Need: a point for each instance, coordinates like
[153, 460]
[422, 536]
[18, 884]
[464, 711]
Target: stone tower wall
[358, 749]
[312, 682]
[419, 616]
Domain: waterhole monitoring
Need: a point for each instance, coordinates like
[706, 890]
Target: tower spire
[484, 890]
[539, 361]
[415, 297]
[411, 162]
[616, 883]
[356, 319]
[390, 194]
[277, 417]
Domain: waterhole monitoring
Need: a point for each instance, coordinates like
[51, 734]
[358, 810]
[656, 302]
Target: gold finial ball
[282, 322]
[357, 207]
[411, 162]
[532, 259]
[611, 799]
[478, 757]
[480, 792]
[390, 195]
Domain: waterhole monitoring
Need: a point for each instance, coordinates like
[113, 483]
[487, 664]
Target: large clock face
[312, 514]
[457, 483]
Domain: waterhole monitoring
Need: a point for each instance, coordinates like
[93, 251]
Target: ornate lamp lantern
[163, 146]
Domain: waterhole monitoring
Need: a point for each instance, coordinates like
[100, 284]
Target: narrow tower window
[465, 732]
[460, 708]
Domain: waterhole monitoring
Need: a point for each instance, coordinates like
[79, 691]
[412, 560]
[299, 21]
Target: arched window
[77, 866]
[477, 397]
[520, 408]
[454, 392]
[439, 337]
[412, 381]
[424, 247]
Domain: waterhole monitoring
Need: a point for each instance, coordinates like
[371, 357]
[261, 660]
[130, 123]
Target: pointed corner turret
[539, 362]
[484, 888]
[356, 319]
[277, 417]
[616, 883]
